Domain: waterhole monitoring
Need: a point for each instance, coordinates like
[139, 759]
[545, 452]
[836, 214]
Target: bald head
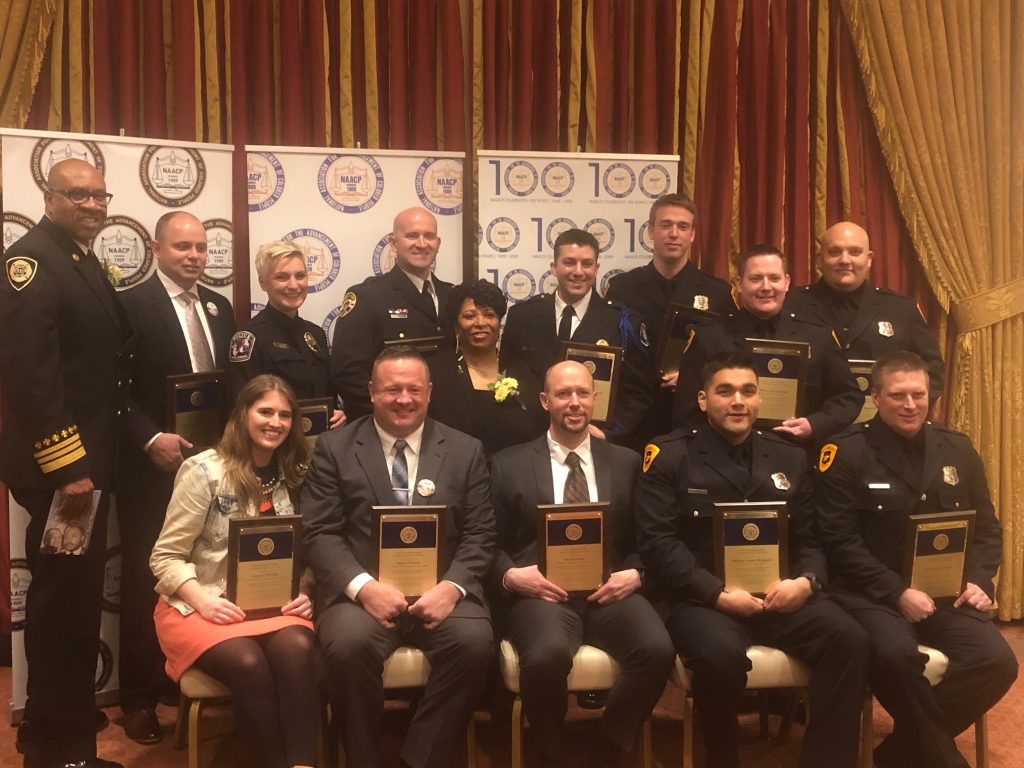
[568, 397]
[415, 241]
[75, 178]
[845, 256]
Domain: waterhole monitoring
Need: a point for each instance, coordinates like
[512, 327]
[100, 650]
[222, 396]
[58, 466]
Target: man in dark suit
[868, 321]
[183, 327]
[545, 626]
[869, 479]
[669, 278]
[397, 455]
[407, 302]
[724, 459]
[64, 361]
[832, 399]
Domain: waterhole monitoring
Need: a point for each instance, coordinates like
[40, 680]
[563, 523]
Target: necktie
[576, 490]
[428, 294]
[400, 474]
[196, 336]
[565, 324]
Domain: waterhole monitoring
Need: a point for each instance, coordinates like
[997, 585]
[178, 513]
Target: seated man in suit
[396, 455]
[542, 622]
[869, 479]
[722, 458]
[832, 399]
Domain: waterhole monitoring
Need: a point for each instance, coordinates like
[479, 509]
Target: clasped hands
[385, 603]
[786, 596]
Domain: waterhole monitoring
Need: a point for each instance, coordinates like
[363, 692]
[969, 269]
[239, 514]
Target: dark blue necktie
[400, 474]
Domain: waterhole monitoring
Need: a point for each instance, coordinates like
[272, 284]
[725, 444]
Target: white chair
[592, 670]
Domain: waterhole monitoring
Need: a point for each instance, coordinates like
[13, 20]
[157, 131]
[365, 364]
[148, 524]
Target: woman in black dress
[470, 391]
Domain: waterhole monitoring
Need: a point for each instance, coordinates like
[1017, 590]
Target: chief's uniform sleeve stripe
[69, 441]
[63, 459]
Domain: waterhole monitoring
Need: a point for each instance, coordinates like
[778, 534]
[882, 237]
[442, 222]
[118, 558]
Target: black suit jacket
[162, 351]
[348, 476]
[65, 348]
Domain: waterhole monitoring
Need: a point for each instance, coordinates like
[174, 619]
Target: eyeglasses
[78, 195]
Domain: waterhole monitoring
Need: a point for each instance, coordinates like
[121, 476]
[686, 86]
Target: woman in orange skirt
[268, 664]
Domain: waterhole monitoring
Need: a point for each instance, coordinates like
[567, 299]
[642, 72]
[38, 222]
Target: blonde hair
[271, 253]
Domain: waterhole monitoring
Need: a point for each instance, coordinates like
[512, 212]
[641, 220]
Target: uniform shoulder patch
[20, 271]
[650, 453]
[348, 303]
[827, 456]
[241, 347]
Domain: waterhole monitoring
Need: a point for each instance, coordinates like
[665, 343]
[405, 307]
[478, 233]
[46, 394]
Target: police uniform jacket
[684, 474]
[885, 322]
[382, 308]
[65, 349]
[832, 399]
[865, 488]
[289, 347]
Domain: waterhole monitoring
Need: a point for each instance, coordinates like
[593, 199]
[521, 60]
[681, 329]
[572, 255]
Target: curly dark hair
[483, 294]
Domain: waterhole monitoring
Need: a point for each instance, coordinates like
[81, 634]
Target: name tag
[401, 313]
[879, 486]
[698, 491]
[281, 345]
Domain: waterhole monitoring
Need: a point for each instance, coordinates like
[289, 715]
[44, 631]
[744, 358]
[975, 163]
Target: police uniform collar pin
[212, 309]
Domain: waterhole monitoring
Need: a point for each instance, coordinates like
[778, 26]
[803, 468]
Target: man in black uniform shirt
[831, 401]
[869, 479]
[669, 278]
[407, 302]
[868, 321]
[724, 459]
[64, 340]
[542, 622]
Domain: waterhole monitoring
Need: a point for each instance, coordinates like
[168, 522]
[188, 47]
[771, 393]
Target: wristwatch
[816, 585]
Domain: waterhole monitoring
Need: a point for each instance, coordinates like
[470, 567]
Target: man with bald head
[65, 343]
[542, 622]
[868, 321]
[405, 303]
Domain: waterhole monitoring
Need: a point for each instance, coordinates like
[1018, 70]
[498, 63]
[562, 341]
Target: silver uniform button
[696, 513]
[924, 497]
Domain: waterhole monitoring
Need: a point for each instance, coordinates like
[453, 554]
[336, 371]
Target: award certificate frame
[751, 544]
[861, 370]
[605, 364]
[407, 543]
[675, 335]
[315, 416]
[425, 345]
[782, 378]
[263, 563]
[197, 408]
[935, 552]
[572, 545]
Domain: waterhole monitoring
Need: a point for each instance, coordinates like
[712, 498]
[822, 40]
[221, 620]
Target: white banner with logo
[527, 199]
[147, 179]
[338, 205]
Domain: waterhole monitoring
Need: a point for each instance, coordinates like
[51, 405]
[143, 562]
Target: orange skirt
[183, 639]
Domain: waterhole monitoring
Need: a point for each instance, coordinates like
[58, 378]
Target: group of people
[440, 406]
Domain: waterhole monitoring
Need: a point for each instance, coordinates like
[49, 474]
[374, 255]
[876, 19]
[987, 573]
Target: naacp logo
[104, 666]
[112, 581]
[604, 232]
[48, 152]
[350, 183]
[606, 278]
[439, 185]
[383, 259]
[21, 577]
[518, 285]
[124, 243]
[520, 178]
[548, 282]
[645, 237]
[264, 179]
[328, 324]
[323, 259]
[655, 180]
[619, 180]
[479, 235]
[15, 227]
[502, 234]
[255, 308]
[219, 266]
[173, 176]
[557, 179]
[557, 227]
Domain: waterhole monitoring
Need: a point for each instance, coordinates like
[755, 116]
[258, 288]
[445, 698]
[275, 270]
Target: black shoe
[142, 726]
[102, 721]
[24, 737]
[592, 699]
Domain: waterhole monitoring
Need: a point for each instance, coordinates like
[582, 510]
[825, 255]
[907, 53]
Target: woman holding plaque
[470, 391]
[268, 664]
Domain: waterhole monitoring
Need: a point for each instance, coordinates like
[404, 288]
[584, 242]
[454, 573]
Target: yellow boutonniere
[112, 271]
[504, 388]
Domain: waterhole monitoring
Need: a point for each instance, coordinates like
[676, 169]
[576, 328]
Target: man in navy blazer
[396, 455]
[158, 308]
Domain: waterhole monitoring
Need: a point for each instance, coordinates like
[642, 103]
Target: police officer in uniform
[832, 400]
[407, 302]
[669, 278]
[277, 340]
[722, 458]
[869, 321]
[64, 363]
[869, 479]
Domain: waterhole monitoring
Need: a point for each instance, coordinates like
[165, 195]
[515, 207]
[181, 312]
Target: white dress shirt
[580, 308]
[560, 470]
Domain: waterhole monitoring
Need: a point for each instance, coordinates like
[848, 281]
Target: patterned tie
[576, 490]
[565, 325]
[400, 474]
[196, 336]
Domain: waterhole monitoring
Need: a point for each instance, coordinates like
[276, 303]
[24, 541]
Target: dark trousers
[546, 637]
[356, 646]
[982, 667]
[62, 630]
[820, 634]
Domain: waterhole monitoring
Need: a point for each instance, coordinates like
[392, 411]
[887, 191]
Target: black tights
[274, 690]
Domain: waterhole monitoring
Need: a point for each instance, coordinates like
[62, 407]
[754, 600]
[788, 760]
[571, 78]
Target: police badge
[310, 341]
[949, 475]
[701, 303]
[885, 328]
[781, 481]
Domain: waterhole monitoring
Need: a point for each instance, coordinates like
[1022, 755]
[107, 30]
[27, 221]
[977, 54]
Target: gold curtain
[945, 83]
[23, 42]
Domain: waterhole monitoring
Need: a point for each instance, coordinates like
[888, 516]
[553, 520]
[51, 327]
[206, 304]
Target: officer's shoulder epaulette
[771, 437]
[945, 429]
[853, 430]
[808, 320]
[890, 293]
[534, 299]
